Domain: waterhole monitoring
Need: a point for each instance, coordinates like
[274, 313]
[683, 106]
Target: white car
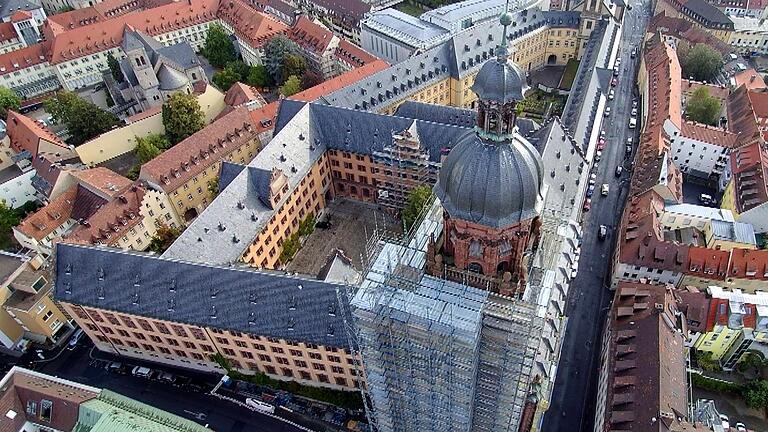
[607, 111]
[724, 421]
[598, 156]
[260, 406]
[634, 112]
[605, 189]
[592, 178]
[141, 372]
[634, 103]
[611, 94]
[632, 123]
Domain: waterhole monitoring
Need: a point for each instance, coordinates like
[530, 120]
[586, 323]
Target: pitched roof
[254, 27]
[353, 54]
[8, 7]
[741, 116]
[709, 134]
[349, 12]
[708, 15]
[750, 78]
[25, 134]
[646, 360]
[749, 264]
[310, 35]
[347, 78]
[102, 11]
[42, 222]
[719, 92]
[241, 94]
[749, 168]
[102, 181]
[687, 31]
[102, 35]
[16, 60]
[233, 298]
[112, 220]
[202, 149]
[7, 32]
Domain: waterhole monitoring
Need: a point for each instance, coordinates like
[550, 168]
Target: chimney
[752, 78]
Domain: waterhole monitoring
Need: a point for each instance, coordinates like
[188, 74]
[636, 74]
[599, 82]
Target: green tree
[64, 9]
[218, 47]
[158, 140]
[274, 56]
[163, 238]
[705, 362]
[146, 150]
[702, 62]
[310, 79]
[702, 107]
[294, 64]
[114, 67]
[182, 117]
[240, 68]
[213, 187]
[291, 87]
[9, 218]
[226, 78]
[9, 100]
[417, 199]
[259, 77]
[756, 394]
[82, 119]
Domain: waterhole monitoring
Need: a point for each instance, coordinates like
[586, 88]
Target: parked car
[740, 427]
[590, 190]
[632, 123]
[260, 406]
[601, 145]
[618, 61]
[587, 204]
[634, 51]
[634, 112]
[706, 199]
[603, 232]
[615, 73]
[602, 133]
[116, 367]
[619, 170]
[614, 82]
[628, 150]
[598, 155]
[141, 372]
[630, 141]
[634, 103]
[75, 339]
[724, 421]
[605, 189]
[612, 94]
[592, 178]
[607, 111]
[167, 377]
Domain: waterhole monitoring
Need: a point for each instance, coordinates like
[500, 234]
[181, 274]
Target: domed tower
[490, 184]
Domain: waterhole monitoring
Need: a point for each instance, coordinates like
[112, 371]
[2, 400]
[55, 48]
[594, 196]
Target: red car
[614, 82]
[587, 204]
[601, 144]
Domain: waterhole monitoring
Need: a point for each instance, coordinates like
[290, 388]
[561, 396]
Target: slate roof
[230, 298]
[709, 13]
[303, 133]
[437, 113]
[406, 28]
[182, 54]
[9, 7]
[228, 173]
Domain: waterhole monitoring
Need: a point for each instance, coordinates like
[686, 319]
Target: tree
[163, 238]
[9, 100]
[274, 56]
[702, 62]
[294, 64]
[705, 362]
[226, 78]
[756, 394]
[114, 67]
[182, 117]
[218, 47]
[417, 199]
[82, 119]
[310, 79]
[240, 68]
[291, 87]
[146, 150]
[702, 107]
[213, 187]
[64, 9]
[9, 218]
[259, 77]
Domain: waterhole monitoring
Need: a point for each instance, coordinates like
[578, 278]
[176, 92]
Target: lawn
[570, 73]
[409, 8]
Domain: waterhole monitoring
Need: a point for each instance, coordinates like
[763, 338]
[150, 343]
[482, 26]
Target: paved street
[573, 397]
[220, 415]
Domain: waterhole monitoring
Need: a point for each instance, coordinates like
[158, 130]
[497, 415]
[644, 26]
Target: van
[259, 406]
[75, 339]
[632, 123]
[141, 372]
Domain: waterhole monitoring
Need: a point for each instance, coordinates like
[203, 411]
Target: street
[222, 416]
[574, 394]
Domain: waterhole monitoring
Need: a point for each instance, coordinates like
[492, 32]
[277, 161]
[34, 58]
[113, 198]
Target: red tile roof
[719, 92]
[750, 78]
[718, 313]
[255, 27]
[749, 168]
[80, 41]
[186, 159]
[42, 222]
[23, 58]
[309, 35]
[709, 134]
[741, 116]
[102, 181]
[25, 134]
[314, 93]
[21, 15]
[759, 99]
[263, 119]
[353, 54]
[749, 264]
[241, 94]
[707, 263]
[683, 29]
[112, 220]
[7, 32]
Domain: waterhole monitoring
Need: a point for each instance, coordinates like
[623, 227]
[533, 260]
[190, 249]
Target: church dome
[500, 80]
[491, 183]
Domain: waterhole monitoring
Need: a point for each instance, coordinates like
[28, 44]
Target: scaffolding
[438, 355]
[405, 166]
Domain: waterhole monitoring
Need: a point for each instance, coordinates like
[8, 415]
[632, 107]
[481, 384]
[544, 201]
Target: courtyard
[349, 226]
